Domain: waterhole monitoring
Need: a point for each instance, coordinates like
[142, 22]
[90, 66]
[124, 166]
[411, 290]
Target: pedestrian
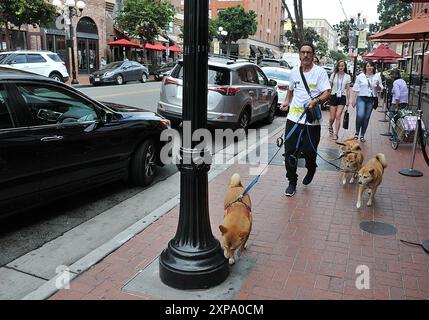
[103, 62]
[298, 99]
[316, 60]
[340, 96]
[366, 89]
[399, 92]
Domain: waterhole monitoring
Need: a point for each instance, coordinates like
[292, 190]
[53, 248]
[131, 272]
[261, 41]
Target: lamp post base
[386, 134]
[411, 172]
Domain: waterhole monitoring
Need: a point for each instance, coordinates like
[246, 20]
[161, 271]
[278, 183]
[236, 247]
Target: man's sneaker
[309, 177]
[290, 191]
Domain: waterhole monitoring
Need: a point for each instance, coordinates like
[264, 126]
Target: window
[261, 77]
[35, 58]
[216, 75]
[3, 57]
[248, 74]
[55, 57]
[135, 64]
[5, 118]
[51, 105]
[19, 58]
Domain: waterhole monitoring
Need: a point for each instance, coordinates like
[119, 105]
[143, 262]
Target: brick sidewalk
[305, 247]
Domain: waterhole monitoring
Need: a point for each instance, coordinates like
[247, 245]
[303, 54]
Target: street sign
[362, 40]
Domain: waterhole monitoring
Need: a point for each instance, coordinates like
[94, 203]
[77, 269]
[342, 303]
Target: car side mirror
[107, 117]
[272, 83]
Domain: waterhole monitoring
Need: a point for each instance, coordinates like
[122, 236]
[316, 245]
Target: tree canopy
[310, 35]
[337, 55]
[342, 30]
[393, 12]
[321, 47]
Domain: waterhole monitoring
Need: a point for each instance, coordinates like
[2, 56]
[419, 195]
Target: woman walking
[340, 95]
[366, 89]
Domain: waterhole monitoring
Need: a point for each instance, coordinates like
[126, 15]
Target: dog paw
[358, 205]
[369, 203]
[344, 181]
[231, 261]
[352, 180]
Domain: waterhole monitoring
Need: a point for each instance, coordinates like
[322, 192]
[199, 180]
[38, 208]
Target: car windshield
[112, 65]
[2, 57]
[277, 75]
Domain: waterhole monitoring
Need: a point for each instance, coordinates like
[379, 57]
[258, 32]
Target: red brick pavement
[308, 246]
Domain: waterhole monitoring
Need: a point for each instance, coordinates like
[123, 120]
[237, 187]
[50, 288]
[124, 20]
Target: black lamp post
[69, 10]
[194, 258]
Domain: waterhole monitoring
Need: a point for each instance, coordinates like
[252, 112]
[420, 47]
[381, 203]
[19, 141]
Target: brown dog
[370, 177]
[352, 158]
[237, 221]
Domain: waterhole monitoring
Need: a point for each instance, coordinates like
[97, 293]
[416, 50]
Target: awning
[158, 47]
[175, 49]
[124, 43]
[382, 52]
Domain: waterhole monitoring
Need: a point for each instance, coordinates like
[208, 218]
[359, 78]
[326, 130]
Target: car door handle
[51, 138]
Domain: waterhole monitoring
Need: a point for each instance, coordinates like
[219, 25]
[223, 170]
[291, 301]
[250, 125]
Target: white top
[318, 82]
[365, 86]
[339, 83]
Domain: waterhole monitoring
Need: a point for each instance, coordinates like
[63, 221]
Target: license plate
[96, 79]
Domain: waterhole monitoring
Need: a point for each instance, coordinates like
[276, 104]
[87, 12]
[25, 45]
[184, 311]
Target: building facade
[268, 38]
[325, 30]
[419, 53]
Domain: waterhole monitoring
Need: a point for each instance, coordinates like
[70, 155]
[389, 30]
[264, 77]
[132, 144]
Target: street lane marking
[125, 93]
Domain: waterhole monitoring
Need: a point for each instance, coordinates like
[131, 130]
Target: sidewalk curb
[85, 263]
[77, 86]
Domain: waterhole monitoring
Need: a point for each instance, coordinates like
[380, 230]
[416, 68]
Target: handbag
[315, 113]
[346, 119]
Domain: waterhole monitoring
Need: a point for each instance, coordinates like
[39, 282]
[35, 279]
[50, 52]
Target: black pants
[305, 148]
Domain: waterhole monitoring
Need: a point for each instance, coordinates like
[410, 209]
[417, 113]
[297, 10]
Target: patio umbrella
[416, 29]
[158, 47]
[383, 52]
[175, 49]
[124, 43]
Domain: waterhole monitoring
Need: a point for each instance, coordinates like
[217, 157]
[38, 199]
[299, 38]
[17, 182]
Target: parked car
[239, 93]
[282, 77]
[329, 69]
[164, 70]
[55, 141]
[45, 63]
[268, 62]
[120, 72]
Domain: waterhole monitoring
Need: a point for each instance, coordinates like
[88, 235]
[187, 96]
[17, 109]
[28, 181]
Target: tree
[238, 23]
[393, 12]
[337, 55]
[20, 12]
[145, 19]
[343, 29]
[297, 24]
[310, 35]
[322, 47]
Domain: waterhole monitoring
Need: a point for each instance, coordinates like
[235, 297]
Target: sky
[331, 9]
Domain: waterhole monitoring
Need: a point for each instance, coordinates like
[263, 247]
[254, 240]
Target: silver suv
[239, 94]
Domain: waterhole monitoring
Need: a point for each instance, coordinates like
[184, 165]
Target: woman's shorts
[335, 101]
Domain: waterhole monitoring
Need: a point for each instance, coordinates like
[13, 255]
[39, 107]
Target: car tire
[271, 113]
[244, 120]
[120, 79]
[56, 76]
[143, 164]
[143, 78]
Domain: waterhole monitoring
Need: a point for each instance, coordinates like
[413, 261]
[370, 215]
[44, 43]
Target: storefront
[56, 42]
[87, 46]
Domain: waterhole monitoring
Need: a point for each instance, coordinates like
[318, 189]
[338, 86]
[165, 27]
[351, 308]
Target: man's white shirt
[318, 82]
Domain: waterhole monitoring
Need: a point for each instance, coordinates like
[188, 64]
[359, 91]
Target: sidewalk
[305, 247]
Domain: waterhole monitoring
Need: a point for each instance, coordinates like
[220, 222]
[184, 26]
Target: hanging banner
[362, 40]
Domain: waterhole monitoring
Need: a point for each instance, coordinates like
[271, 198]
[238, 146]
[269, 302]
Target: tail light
[283, 88]
[64, 64]
[226, 91]
[169, 80]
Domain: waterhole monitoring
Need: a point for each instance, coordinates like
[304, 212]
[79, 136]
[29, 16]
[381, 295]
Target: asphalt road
[83, 213]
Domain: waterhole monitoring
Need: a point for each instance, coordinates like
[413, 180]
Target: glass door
[93, 54]
[82, 56]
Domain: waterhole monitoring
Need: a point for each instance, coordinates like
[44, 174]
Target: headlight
[108, 74]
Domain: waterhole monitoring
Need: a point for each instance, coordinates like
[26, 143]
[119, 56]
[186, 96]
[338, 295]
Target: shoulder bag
[346, 119]
[316, 112]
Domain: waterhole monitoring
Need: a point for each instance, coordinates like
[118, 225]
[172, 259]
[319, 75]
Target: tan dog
[370, 176]
[352, 162]
[237, 221]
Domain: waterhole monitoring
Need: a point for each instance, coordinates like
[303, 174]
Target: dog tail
[382, 159]
[235, 181]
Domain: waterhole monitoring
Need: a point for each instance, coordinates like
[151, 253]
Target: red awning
[416, 29]
[175, 49]
[124, 43]
[381, 53]
[158, 47]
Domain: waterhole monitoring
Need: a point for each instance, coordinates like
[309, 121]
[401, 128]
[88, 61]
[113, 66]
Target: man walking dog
[309, 88]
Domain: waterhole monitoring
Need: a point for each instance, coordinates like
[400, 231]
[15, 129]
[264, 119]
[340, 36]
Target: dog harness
[239, 200]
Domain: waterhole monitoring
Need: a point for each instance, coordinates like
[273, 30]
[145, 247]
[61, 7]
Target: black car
[120, 72]
[164, 70]
[54, 141]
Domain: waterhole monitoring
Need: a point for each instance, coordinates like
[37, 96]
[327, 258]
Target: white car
[282, 76]
[45, 63]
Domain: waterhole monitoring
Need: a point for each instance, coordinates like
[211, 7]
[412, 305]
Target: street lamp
[68, 10]
[221, 34]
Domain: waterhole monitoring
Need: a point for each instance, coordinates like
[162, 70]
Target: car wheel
[244, 120]
[271, 113]
[56, 76]
[120, 79]
[143, 163]
[143, 78]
